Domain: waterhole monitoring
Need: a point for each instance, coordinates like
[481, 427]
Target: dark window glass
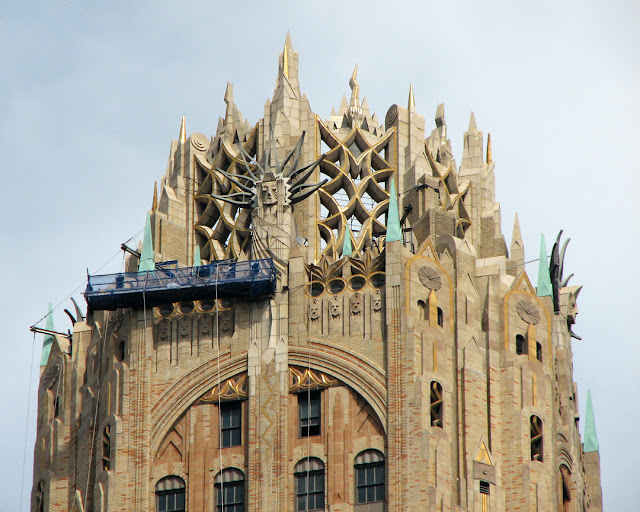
[484, 487]
[536, 438]
[538, 352]
[521, 346]
[106, 448]
[369, 482]
[230, 496]
[436, 405]
[231, 420]
[309, 409]
[170, 495]
[310, 491]
[440, 318]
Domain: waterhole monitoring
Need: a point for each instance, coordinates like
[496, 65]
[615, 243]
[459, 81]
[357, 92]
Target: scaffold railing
[248, 280]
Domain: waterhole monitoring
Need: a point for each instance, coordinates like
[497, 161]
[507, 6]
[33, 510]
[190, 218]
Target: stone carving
[164, 329]
[528, 312]
[430, 278]
[336, 308]
[355, 304]
[314, 310]
[303, 379]
[234, 388]
[184, 327]
[226, 321]
[50, 376]
[205, 324]
[376, 303]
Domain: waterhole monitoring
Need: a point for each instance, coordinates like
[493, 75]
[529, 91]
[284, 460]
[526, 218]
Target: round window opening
[336, 286]
[377, 280]
[316, 289]
[357, 283]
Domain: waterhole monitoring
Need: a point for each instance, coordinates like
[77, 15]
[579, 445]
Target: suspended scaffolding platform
[247, 280]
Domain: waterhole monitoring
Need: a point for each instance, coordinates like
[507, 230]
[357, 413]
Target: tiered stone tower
[324, 316]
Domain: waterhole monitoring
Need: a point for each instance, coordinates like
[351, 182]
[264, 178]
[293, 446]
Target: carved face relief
[335, 309]
[377, 302]
[314, 310]
[205, 325]
[269, 192]
[356, 304]
[163, 329]
[226, 320]
[184, 327]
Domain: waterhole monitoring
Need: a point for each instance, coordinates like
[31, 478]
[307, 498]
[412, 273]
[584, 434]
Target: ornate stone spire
[544, 278]
[355, 110]
[146, 256]
[517, 245]
[590, 437]
[183, 132]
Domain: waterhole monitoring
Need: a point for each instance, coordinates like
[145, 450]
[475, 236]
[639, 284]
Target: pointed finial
[440, 115]
[154, 203]
[183, 132]
[48, 338]
[228, 93]
[285, 60]
[517, 246]
[472, 123]
[347, 250]
[590, 437]
[489, 155]
[146, 256]
[394, 232]
[412, 101]
[544, 279]
[197, 261]
[353, 83]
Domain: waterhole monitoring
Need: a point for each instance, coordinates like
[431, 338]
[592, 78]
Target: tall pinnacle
[48, 338]
[590, 437]
[146, 257]
[412, 101]
[517, 245]
[183, 131]
[355, 88]
[394, 233]
[544, 279]
[489, 155]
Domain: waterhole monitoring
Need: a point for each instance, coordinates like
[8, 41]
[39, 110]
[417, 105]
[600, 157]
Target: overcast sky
[91, 94]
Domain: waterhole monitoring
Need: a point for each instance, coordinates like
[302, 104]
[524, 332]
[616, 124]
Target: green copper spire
[590, 437]
[146, 258]
[544, 279]
[347, 250]
[394, 232]
[48, 338]
[197, 261]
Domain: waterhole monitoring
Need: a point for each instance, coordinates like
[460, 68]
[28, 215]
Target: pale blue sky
[91, 95]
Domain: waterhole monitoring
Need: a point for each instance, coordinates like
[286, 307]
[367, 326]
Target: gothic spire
[590, 437]
[394, 232]
[544, 278]
[146, 256]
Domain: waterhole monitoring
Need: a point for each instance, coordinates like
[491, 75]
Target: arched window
[536, 438]
[106, 448]
[423, 308]
[309, 482]
[230, 490]
[170, 494]
[370, 484]
[436, 405]
[521, 344]
[440, 317]
[565, 478]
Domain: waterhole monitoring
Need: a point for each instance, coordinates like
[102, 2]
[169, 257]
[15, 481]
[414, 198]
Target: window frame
[304, 473]
[310, 425]
[375, 486]
[436, 404]
[230, 479]
[179, 489]
[231, 433]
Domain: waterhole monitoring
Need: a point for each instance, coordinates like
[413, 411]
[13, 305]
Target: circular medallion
[430, 278]
[528, 312]
[392, 115]
[50, 376]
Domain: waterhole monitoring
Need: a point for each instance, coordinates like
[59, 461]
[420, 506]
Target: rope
[26, 428]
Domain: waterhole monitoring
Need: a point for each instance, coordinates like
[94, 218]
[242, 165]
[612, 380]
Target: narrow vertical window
[370, 481]
[106, 448]
[521, 344]
[440, 317]
[231, 423]
[436, 405]
[309, 410]
[39, 497]
[309, 485]
[536, 438]
[170, 494]
[485, 491]
[56, 407]
[230, 490]
[538, 351]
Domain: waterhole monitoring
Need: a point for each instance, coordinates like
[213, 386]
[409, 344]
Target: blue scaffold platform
[247, 280]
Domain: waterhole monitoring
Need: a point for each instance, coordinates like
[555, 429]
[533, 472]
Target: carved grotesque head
[356, 304]
[269, 192]
[335, 308]
[226, 320]
[184, 326]
[377, 302]
[163, 329]
[314, 310]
